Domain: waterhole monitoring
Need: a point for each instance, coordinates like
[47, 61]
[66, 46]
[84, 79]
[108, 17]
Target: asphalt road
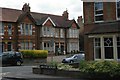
[25, 73]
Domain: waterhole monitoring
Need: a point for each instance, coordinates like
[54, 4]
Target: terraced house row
[102, 30]
[23, 29]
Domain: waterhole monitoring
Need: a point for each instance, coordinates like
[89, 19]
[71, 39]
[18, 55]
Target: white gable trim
[50, 20]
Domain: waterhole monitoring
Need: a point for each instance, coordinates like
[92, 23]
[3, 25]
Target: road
[25, 73]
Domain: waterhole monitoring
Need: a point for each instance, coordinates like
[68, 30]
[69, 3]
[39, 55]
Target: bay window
[118, 47]
[73, 33]
[107, 48]
[26, 29]
[26, 45]
[48, 31]
[97, 48]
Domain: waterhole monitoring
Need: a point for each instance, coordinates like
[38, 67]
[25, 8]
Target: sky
[74, 7]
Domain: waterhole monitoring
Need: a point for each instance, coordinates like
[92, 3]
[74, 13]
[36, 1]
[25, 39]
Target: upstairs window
[26, 29]
[98, 11]
[1, 29]
[9, 29]
[118, 9]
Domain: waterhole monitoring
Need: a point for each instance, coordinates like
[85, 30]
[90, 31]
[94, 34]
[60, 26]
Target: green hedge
[34, 53]
[109, 67]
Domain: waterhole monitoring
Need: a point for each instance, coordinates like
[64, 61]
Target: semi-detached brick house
[102, 30]
[22, 29]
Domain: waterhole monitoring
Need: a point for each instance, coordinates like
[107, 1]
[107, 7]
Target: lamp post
[52, 44]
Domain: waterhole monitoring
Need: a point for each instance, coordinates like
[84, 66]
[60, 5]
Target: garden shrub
[34, 53]
[110, 67]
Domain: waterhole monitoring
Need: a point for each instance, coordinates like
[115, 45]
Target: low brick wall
[65, 73]
[74, 74]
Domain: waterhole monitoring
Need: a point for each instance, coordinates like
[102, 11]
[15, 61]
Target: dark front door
[9, 46]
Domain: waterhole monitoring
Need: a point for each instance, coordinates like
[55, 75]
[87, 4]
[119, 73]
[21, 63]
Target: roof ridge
[32, 12]
[10, 8]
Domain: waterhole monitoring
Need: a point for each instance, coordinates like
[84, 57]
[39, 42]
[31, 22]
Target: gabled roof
[14, 15]
[106, 27]
[22, 16]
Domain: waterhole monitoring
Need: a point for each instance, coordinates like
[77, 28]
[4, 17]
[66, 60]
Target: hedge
[111, 68]
[34, 53]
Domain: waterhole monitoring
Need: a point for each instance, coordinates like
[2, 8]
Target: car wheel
[18, 63]
[71, 61]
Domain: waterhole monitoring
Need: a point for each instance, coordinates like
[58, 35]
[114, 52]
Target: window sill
[118, 18]
[99, 21]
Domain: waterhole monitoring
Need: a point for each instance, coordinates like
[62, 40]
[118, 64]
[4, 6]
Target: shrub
[110, 67]
[34, 53]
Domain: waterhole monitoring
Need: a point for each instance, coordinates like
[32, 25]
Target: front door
[9, 46]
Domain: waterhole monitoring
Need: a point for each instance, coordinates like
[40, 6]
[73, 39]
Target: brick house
[23, 29]
[102, 30]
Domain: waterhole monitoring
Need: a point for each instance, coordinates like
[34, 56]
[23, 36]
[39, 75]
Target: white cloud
[56, 7]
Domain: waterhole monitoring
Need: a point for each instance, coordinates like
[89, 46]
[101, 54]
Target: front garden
[107, 70]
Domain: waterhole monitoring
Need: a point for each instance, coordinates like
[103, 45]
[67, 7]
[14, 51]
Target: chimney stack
[65, 15]
[26, 8]
[79, 19]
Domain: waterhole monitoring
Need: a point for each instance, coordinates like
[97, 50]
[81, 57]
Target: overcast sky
[74, 7]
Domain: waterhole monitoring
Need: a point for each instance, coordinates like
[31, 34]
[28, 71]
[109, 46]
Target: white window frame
[61, 33]
[27, 45]
[114, 37]
[108, 47]
[96, 46]
[2, 29]
[9, 29]
[117, 47]
[95, 15]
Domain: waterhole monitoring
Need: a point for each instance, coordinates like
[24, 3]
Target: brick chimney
[65, 15]
[79, 20]
[26, 8]
[80, 23]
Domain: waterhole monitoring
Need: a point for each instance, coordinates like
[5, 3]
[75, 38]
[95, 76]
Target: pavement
[25, 72]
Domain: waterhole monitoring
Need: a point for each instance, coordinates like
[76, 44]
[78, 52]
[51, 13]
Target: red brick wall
[109, 13]
[32, 37]
[48, 23]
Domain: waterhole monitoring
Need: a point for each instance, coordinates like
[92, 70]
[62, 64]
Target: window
[73, 33]
[1, 29]
[118, 9]
[26, 29]
[48, 31]
[98, 11]
[27, 45]
[9, 29]
[118, 47]
[97, 48]
[108, 46]
[61, 33]
[73, 46]
[30, 29]
[30, 45]
[22, 28]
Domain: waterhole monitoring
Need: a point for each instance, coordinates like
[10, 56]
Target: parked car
[74, 59]
[11, 58]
